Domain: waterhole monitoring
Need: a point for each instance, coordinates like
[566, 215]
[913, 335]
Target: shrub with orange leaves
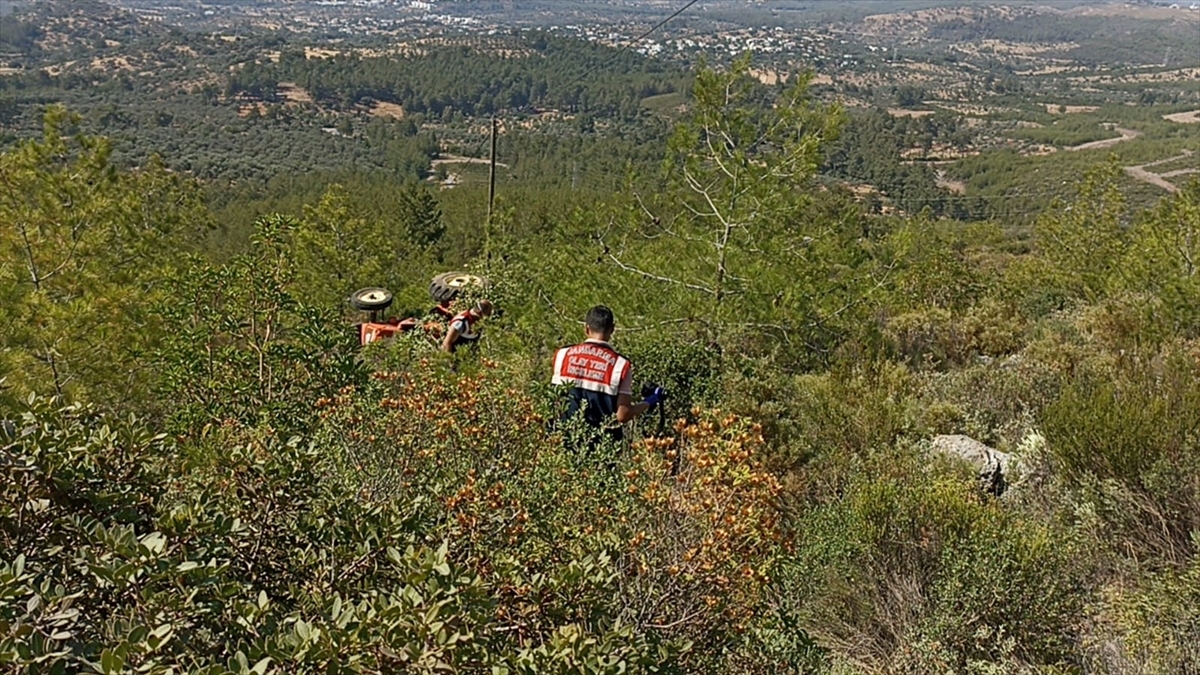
[681, 533]
[705, 530]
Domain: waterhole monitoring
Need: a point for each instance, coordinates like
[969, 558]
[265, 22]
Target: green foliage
[1163, 249]
[242, 347]
[1157, 623]
[735, 244]
[1067, 132]
[245, 553]
[289, 503]
[1126, 445]
[1082, 243]
[79, 257]
[538, 70]
[912, 572]
[339, 246]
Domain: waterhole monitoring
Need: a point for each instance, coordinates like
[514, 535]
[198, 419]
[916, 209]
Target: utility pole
[487, 234]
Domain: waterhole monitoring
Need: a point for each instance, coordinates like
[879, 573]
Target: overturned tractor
[444, 290]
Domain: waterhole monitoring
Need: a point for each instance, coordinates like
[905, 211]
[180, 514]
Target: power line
[624, 48]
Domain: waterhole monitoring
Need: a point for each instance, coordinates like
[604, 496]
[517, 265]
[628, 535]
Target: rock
[993, 467]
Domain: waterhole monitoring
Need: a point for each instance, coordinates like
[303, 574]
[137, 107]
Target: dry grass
[769, 77]
[905, 112]
[1055, 108]
[382, 109]
[293, 94]
[246, 109]
[320, 53]
[112, 64]
[1192, 117]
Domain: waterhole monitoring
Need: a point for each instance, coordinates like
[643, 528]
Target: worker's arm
[627, 410]
[451, 337]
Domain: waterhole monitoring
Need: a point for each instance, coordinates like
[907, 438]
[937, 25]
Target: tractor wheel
[446, 287]
[371, 299]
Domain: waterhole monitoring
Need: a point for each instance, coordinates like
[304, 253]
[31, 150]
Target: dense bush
[289, 503]
[407, 534]
[915, 572]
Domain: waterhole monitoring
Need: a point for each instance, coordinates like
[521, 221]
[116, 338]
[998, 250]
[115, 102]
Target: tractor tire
[446, 287]
[371, 299]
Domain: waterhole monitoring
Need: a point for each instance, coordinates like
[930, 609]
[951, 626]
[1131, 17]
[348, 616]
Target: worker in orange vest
[462, 330]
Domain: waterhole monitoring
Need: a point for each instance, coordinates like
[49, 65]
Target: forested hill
[893, 443]
[484, 76]
[923, 316]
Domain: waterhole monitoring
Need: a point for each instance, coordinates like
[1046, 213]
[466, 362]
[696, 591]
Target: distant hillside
[33, 28]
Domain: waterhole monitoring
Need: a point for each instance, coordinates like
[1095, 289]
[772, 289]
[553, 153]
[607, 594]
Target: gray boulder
[994, 468]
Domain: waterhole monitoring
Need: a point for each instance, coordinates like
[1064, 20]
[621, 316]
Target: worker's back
[596, 374]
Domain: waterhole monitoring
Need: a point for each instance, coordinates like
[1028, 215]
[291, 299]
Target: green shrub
[241, 347]
[1126, 447]
[915, 572]
[117, 561]
[1156, 624]
[834, 418]
[686, 526]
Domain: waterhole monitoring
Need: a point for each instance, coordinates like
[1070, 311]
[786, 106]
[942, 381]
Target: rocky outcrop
[994, 468]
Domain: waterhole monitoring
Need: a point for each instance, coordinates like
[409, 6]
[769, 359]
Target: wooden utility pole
[492, 172]
[487, 235]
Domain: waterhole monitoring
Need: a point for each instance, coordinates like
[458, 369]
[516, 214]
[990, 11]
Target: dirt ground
[1192, 117]
[293, 94]
[1126, 135]
[1052, 108]
[381, 109]
[956, 186]
[1142, 173]
[904, 112]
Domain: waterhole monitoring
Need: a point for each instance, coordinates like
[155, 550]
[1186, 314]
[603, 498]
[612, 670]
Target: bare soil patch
[904, 112]
[769, 77]
[956, 186]
[112, 63]
[293, 94]
[1056, 108]
[1192, 117]
[382, 109]
[320, 53]
[247, 109]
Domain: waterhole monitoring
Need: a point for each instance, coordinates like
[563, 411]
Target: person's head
[484, 307]
[600, 323]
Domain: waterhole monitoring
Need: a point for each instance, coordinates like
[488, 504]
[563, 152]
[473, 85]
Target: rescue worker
[600, 380]
[462, 327]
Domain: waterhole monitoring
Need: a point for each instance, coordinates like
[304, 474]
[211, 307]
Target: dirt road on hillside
[1126, 135]
[1141, 173]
